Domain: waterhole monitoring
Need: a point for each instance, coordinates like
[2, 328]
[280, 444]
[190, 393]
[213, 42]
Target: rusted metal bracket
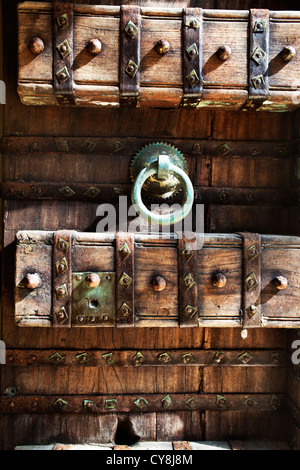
[62, 278]
[192, 27]
[258, 58]
[130, 37]
[188, 285]
[63, 29]
[251, 280]
[124, 279]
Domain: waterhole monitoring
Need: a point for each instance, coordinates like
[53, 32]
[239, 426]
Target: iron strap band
[258, 58]
[251, 280]
[192, 56]
[63, 32]
[62, 278]
[124, 279]
[130, 37]
[188, 286]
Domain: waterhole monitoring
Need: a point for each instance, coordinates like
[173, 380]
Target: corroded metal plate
[93, 306]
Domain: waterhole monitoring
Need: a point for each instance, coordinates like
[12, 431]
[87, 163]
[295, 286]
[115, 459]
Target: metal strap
[188, 286]
[251, 280]
[258, 58]
[130, 36]
[192, 56]
[63, 28]
[62, 278]
[125, 279]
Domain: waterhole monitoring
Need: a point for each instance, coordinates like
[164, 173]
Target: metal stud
[187, 358]
[109, 358]
[93, 280]
[288, 53]
[190, 311]
[124, 310]
[110, 404]
[252, 252]
[164, 358]
[62, 21]
[87, 404]
[60, 403]
[61, 266]
[62, 75]
[260, 26]
[274, 358]
[89, 145]
[250, 402]
[275, 402]
[141, 403]
[188, 281]
[32, 281]
[131, 29]
[166, 402]
[83, 358]
[67, 191]
[92, 192]
[193, 23]
[62, 145]
[64, 49]
[62, 245]
[219, 280]
[252, 310]
[56, 358]
[251, 281]
[124, 251]
[159, 284]
[94, 46]
[139, 359]
[131, 68]
[192, 51]
[280, 282]
[258, 81]
[162, 47]
[221, 402]
[61, 315]
[187, 253]
[192, 78]
[192, 403]
[61, 291]
[223, 149]
[258, 55]
[218, 357]
[36, 46]
[224, 52]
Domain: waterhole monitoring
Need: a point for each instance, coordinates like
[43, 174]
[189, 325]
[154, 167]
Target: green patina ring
[165, 219]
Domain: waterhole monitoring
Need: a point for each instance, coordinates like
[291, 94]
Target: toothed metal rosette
[158, 187]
